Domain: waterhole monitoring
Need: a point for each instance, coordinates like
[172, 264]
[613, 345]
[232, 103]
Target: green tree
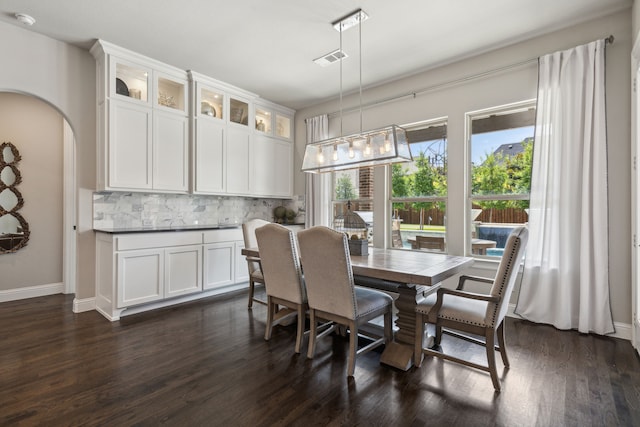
[399, 183]
[344, 188]
[499, 174]
[519, 170]
[428, 180]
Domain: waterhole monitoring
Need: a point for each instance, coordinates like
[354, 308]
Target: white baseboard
[179, 300]
[31, 292]
[85, 304]
[623, 330]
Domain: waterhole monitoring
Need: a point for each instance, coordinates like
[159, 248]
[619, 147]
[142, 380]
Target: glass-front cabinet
[171, 93]
[273, 120]
[210, 103]
[263, 120]
[238, 111]
[129, 80]
[283, 126]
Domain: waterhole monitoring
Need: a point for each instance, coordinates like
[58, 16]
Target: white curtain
[566, 273]
[318, 186]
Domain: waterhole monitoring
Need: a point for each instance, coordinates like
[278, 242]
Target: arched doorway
[47, 265]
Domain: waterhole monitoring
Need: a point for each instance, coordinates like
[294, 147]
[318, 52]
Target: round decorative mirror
[14, 229]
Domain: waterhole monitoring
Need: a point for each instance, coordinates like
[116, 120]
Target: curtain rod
[608, 40]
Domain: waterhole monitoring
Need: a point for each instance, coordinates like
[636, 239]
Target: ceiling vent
[331, 58]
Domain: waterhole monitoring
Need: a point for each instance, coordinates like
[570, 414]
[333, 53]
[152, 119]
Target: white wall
[511, 85]
[64, 77]
[41, 149]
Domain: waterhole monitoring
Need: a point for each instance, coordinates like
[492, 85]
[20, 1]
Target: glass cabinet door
[283, 126]
[131, 81]
[171, 94]
[263, 120]
[238, 111]
[211, 103]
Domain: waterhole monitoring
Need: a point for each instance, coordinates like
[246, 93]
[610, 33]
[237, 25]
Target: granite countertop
[193, 227]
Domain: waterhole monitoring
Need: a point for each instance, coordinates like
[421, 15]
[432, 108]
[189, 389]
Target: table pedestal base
[399, 353]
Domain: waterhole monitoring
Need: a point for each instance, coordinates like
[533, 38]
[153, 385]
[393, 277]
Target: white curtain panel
[318, 191]
[566, 272]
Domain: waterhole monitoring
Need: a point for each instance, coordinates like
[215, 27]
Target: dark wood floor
[207, 364]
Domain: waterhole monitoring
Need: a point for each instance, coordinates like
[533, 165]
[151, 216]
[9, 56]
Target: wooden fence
[436, 216]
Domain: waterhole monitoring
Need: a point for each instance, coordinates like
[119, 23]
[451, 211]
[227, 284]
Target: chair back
[327, 271]
[430, 242]
[249, 235]
[507, 273]
[280, 263]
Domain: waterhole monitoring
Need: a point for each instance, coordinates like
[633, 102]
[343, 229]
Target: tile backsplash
[134, 210]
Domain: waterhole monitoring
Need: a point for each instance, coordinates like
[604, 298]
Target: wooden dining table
[412, 275]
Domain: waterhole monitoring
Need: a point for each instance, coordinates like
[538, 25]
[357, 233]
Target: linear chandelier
[376, 147]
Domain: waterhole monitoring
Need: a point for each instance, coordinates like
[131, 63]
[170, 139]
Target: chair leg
[270, 312]
[251, 289]
[417, 353]
[353, 344]
[438, 338]
[312, 334]
[501, 343]
[491, 357]
[300, 331]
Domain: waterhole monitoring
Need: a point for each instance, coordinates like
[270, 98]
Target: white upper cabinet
[144, 132]
[272, 170]
[162, 129]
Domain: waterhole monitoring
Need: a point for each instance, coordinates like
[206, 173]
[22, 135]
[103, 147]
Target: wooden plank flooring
[206, 364]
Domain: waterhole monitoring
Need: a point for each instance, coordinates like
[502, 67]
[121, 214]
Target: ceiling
[267, 47]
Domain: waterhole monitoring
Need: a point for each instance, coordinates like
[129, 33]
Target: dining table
[412, 275]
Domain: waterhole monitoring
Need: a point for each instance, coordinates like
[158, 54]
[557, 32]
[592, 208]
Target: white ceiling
[267, 46]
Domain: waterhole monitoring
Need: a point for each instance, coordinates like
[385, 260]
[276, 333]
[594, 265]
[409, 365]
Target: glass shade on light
[371, 148]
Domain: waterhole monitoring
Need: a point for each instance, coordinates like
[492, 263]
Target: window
[355, 186]
[419, 190]
[501, 148]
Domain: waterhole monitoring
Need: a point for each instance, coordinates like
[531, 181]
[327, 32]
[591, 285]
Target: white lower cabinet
[140, 277]
[223, 262]
[182, 270]
[219, 267]
[138, 269]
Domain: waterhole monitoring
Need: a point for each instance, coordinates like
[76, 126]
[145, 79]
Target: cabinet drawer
[223, 235]
[157, 240]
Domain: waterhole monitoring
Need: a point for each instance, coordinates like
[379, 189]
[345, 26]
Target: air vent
[331, 58]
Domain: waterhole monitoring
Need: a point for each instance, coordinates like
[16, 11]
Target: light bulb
[335, 153]
[381, 149]
[320, 155]
[387, 144]
[367, 149]
[352, 154]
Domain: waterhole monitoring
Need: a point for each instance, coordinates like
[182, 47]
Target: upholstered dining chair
[282, 278]
[253, 264]
[332, 294]
[474, 313]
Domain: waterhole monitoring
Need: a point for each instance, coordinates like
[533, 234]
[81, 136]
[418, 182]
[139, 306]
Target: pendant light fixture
[376, 147]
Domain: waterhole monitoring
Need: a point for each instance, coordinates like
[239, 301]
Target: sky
[486, 143]
[482, 143]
